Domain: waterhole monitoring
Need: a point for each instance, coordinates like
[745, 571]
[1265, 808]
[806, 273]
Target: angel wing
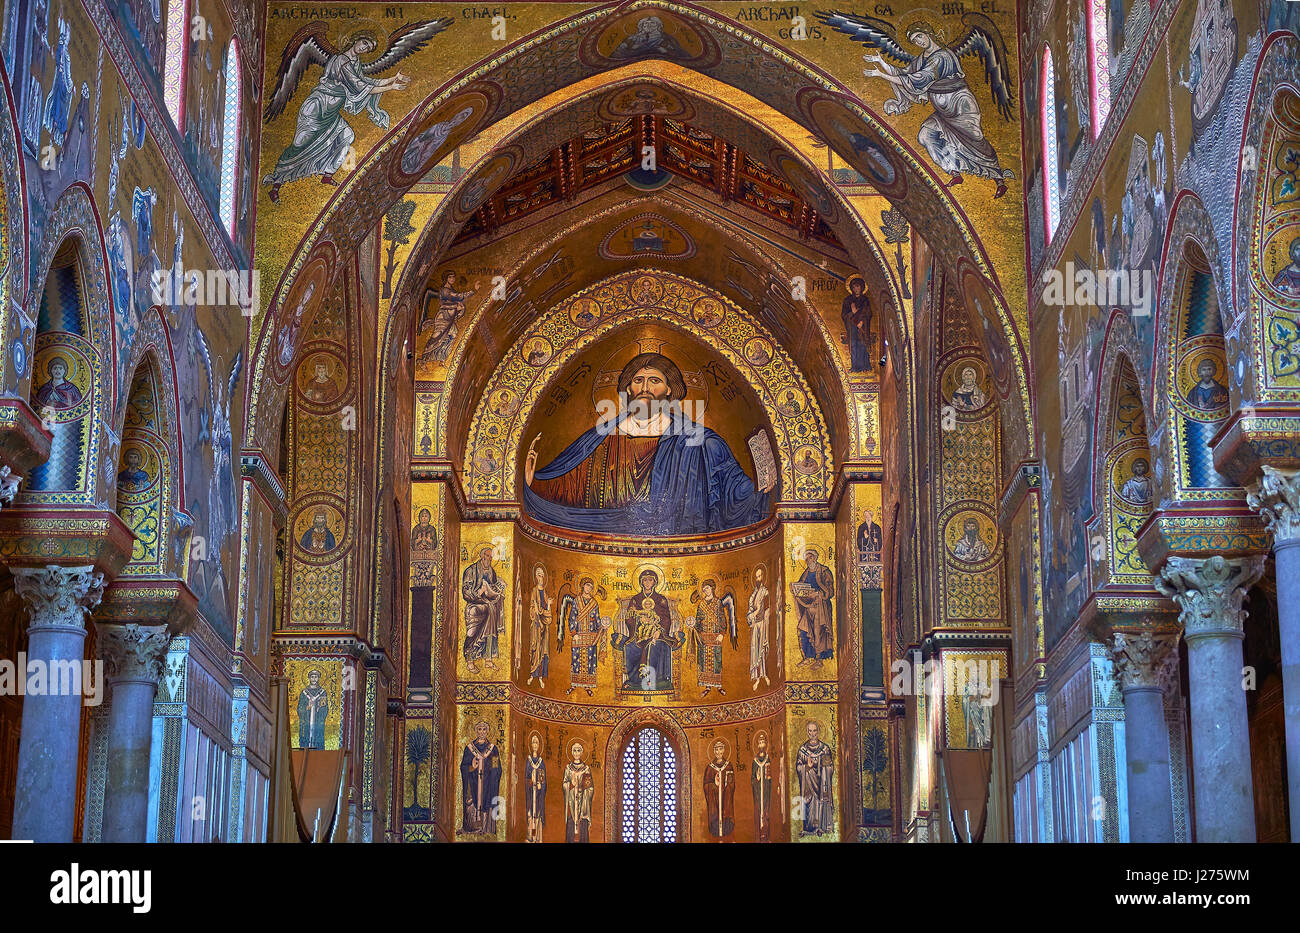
[729, 607]
[871, 32]
[565, 599]
[309, 46]
[406, 41]
[236, 368]
[983, 39]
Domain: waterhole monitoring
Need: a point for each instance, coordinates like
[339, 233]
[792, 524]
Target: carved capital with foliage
[1209, 592]
[1277, 499]
[132, 651]
[1140, 659]
[59, 597]
[9, 481]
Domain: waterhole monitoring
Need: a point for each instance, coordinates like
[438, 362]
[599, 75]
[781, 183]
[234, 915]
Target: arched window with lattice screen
[1098, 64]
[178, 17]
[230, 139]
[649, 788]
[1051, 180]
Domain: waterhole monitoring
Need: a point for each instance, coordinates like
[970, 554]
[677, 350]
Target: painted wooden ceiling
[681, 149]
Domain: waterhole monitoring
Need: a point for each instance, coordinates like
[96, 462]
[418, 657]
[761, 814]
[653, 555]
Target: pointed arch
[1193, 383]
[1126, 474]
[148, 420]
[1266, 285]
[73, 313]
[495, 90]
[669, 300]
[144, 473]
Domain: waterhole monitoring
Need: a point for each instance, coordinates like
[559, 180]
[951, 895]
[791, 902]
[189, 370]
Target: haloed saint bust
[650, 470]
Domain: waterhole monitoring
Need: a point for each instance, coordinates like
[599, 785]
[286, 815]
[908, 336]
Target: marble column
[1278, 500]
[133, 655]
[45, 798]
[1209, 592]
[1139, 661]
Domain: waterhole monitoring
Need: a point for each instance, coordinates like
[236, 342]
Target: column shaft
[1288, 622]
[134, 654]
[1142, 661]
[1209, 593]
[1146, 751]
[1277, 498]
[1225, 793]
[45, 797]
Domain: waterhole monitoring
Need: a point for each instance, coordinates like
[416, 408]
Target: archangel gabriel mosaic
[322, 140]
[953, 134]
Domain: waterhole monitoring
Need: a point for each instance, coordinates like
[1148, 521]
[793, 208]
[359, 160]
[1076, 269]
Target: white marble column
[1139, 661]
[133, 655]
[1277, 499]
[1209, 592]
[45, 798]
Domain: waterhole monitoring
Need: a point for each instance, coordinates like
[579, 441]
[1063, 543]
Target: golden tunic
[616, 474]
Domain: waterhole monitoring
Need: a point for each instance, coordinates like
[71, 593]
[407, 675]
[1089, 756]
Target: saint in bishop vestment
[579, 788]
[815, 768]
[480, 777]
[760, 786]
[720, 794]
[313, 708]
[534, 789]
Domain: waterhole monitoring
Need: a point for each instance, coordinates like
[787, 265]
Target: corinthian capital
[1277, 500]
[59, 597]
[1209, 591]
[133, 652]
[1140, 660]
[8, 484]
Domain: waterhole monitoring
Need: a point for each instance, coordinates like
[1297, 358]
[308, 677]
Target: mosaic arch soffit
[1189, 224]
[365, 196]
[1277, 69]
[470, 384]
[1120, 347]
[13, 188]
[536, 137]
[1265, 315]
[806, 428]
[74, 217]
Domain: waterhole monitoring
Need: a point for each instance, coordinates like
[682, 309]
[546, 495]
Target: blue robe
[696, 487]
[1208, 397]
[142, 207]
[656, 653]
[59, 102]
[306, 543]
